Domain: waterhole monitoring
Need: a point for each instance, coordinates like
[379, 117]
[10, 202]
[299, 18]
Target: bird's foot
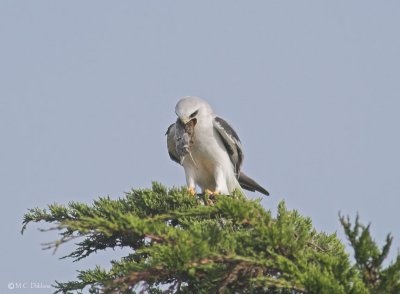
[210, 196]
[192, 191]
[209, 192]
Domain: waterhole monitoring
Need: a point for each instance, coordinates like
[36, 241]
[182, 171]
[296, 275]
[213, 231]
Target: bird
[209, 150]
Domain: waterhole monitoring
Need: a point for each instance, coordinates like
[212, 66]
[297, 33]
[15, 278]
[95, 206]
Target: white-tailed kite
[208, 149]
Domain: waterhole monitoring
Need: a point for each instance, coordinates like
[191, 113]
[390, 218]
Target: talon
[192, 191]
[209, 192]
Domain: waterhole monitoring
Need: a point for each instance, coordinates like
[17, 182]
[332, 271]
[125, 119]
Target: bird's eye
[194, 114]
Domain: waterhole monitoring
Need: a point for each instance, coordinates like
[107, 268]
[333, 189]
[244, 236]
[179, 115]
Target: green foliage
[185, 244]
[369, 259]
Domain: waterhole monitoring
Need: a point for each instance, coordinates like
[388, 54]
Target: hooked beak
[186, 120]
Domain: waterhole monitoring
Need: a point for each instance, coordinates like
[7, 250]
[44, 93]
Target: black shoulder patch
[231, 142]
[227, 128]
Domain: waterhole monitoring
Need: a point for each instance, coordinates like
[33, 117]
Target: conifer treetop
[228, 244]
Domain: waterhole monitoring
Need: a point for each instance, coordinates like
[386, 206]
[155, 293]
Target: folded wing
[233, 146]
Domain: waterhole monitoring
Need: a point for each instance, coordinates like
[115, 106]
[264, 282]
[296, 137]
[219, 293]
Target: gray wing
[231, 142]
[233, 145]
[171, 144]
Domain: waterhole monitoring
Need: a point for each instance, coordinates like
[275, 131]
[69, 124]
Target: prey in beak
[185, 138]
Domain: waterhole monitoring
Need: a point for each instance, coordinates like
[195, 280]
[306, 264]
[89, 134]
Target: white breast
[208, 154]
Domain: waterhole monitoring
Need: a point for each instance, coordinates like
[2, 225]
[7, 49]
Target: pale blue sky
[88, 89]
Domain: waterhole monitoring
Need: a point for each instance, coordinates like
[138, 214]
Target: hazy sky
[88, 88]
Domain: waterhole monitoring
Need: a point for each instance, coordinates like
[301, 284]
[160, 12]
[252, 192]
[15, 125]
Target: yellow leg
[192, 191]
[209, 192]
[210, 196]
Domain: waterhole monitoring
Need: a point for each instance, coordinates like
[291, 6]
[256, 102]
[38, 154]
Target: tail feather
[249, 184]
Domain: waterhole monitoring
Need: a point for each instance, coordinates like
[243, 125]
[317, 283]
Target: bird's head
[190, 107]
